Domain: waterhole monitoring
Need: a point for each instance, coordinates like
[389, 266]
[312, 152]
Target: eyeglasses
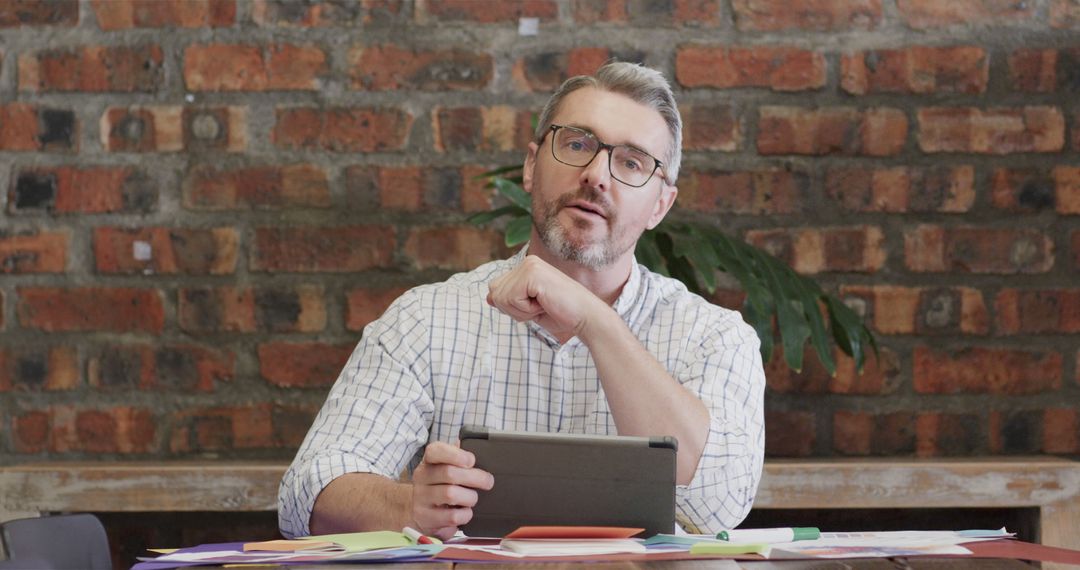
[577, 147]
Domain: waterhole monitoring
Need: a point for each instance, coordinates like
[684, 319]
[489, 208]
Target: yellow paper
[361, 541]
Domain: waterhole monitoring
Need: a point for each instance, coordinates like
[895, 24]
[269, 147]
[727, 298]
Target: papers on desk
[395, 547]
[844, 544]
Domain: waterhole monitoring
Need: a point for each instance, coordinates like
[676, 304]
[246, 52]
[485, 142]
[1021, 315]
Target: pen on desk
[418, 538]
[769, 535]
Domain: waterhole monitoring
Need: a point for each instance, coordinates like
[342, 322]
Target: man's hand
[444, 489]
[537, 291]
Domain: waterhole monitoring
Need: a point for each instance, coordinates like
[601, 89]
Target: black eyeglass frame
[601, 145]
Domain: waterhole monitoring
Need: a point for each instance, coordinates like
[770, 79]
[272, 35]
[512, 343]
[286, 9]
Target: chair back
[60, 542]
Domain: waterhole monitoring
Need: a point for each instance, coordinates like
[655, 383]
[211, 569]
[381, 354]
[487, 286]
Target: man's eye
[575, 146]
[632, 165]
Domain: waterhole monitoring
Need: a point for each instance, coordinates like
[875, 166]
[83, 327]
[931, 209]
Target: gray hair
[642, 84]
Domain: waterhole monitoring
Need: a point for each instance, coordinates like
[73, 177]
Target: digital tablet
[572, 480]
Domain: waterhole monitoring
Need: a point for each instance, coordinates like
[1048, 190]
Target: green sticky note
[729, 548]
[361, 541]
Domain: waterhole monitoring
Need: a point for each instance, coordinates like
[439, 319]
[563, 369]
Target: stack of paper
[572, 547]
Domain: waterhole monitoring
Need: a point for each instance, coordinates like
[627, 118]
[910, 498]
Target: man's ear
[663, 204]
[530, 164]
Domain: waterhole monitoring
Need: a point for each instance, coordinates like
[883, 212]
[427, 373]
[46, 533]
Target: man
[569, 335]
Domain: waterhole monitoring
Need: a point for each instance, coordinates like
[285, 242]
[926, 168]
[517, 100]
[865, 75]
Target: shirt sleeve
[375, 418]
[727, 374]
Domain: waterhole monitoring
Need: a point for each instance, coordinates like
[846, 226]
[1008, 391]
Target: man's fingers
[453, 475]
[439, 453]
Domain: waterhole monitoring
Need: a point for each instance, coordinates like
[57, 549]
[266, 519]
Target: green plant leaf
[499, 171]
[514, 192]
[518, 230]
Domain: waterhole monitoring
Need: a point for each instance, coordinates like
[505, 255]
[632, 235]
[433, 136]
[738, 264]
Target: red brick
[95, 69]
[546, 71]
[863, 433]
[19, 127]
[919, 69]
[991, 131]
[224, 428]
[358, 129]
[778, 68]
[791, 434]
[54, 309]
[759, 192]
[66, 429]
[456, 247]
[38, 368]
[879, 375]
[781, 379]
[1038, 311]
[125, 14]
[389, 67]
[813, 250]
[696, 13]
[497, 128]
[598, 11]
[26, 127]
[324, 13]
[925, 14]
[986, 371]
[367, 304]
[710, 127]
[82, 190]
[33, 252]
[247, 67]
[166, 250]
[311, 249]
[1015, 431]
[412, 188]
[837, 130]
[893, 309]
[233, 309]
[1061, 431]
[476, 196]
[208, 187]
[1033, 70]
[30, 432]
[1067, 186]
[185, 368]
[947, 189]
[813, 15]
[938, 434]
[1076, 250]
[1023, 190]
[1064, 14]
[504, 11]
[174, 129]
[27, 13]
[302, 364]
[977, 250]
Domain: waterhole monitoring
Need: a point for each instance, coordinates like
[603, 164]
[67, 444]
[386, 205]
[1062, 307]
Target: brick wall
[204, 201]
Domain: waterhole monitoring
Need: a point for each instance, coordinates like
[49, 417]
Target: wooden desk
[1050, 485]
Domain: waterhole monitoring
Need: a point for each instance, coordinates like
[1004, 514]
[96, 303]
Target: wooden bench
[1048, 484]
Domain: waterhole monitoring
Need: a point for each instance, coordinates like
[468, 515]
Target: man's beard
[596, 255]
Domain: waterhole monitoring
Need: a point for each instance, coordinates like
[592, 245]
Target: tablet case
[572, 480]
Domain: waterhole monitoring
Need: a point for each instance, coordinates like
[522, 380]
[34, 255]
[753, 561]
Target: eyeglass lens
[628, 165]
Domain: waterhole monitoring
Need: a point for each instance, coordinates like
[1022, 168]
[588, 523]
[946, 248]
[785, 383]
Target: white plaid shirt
[440, 357]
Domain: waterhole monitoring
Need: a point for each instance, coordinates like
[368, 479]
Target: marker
[770, 535]
[415, 536]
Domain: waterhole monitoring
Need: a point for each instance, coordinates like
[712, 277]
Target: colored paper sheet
[292, 546]
[362, 541]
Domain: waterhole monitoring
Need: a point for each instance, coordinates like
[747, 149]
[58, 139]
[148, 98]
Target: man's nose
[597, 174]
